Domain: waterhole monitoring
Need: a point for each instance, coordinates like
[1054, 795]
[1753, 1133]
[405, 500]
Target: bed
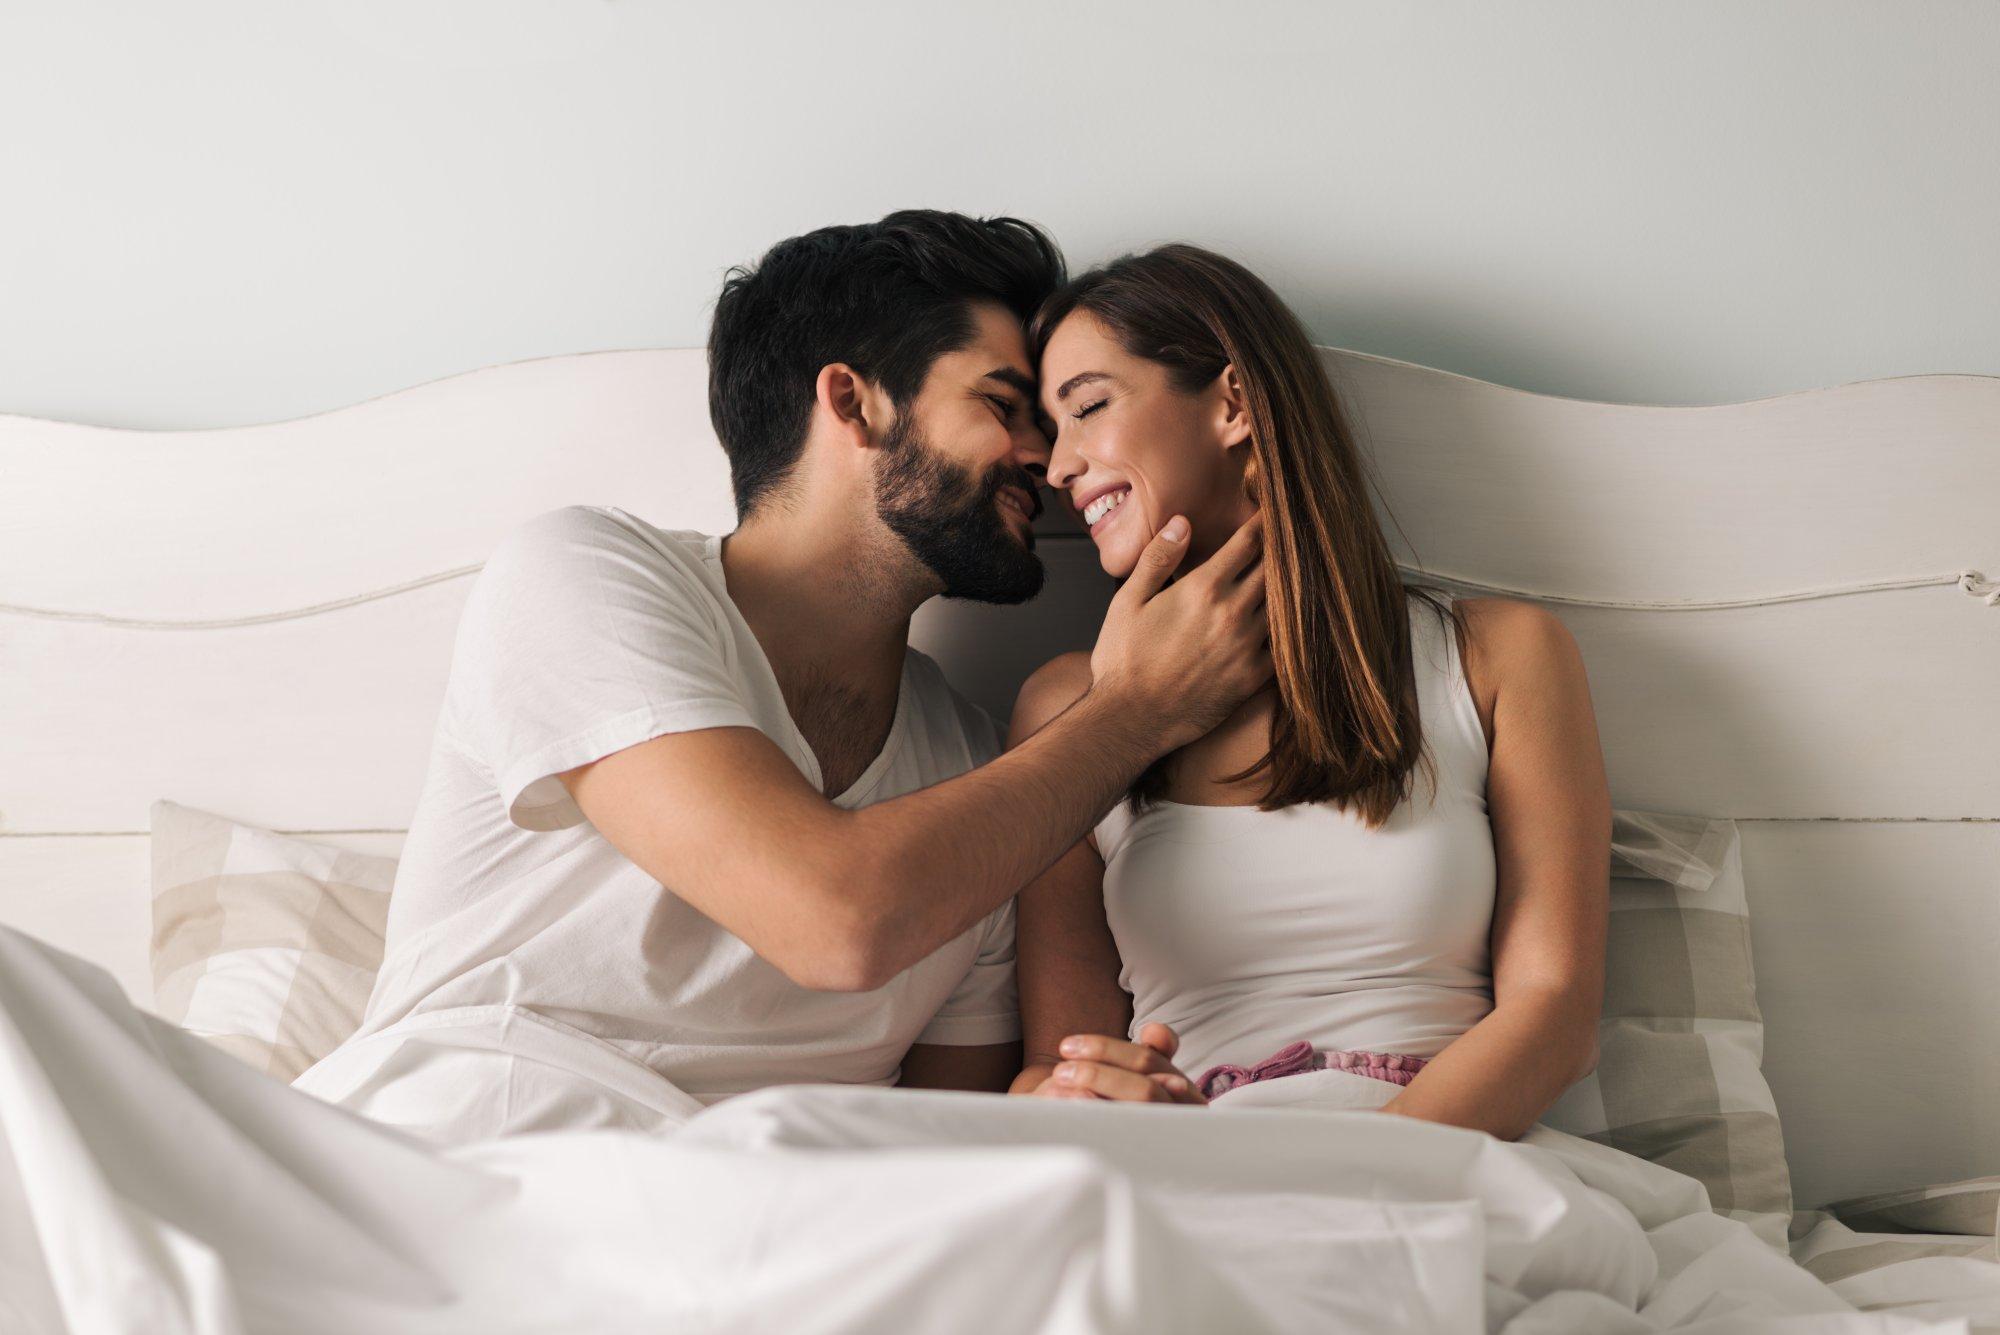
[1788, 609]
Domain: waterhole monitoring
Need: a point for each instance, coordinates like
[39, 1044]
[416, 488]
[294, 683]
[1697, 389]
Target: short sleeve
[584, 634]
[985, 1008]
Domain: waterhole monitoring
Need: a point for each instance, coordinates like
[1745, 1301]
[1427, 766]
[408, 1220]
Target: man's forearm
[936, 861]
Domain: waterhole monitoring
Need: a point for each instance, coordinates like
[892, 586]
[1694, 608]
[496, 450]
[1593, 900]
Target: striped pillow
[1679, 1078]
[264, 944]
[1971, 1207]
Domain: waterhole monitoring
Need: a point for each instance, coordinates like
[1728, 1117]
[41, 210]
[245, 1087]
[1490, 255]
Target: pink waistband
[1300, 1057]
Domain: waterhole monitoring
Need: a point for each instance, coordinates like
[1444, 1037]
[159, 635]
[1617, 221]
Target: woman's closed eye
[1088, 408]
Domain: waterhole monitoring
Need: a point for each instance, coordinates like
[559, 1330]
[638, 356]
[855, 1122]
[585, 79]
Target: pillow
[1679, 1078]
[1970, 1207]
[264, 944]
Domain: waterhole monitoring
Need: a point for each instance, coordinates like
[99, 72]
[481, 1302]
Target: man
[698, 821]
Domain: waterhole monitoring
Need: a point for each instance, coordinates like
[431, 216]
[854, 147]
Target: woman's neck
[1217, 524]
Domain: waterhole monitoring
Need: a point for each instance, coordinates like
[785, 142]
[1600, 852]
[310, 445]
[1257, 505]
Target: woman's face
[1131, 451]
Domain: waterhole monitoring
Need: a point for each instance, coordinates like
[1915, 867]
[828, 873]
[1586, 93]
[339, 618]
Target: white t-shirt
[589, 631]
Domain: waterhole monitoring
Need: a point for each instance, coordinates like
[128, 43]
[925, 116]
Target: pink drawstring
[1300, 1057]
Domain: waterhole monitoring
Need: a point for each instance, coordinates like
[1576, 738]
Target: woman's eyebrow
[1080, 378]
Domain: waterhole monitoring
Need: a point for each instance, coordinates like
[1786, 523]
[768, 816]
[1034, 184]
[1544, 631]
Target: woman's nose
[1064, 465]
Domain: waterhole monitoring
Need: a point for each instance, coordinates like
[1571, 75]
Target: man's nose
[1031, 451]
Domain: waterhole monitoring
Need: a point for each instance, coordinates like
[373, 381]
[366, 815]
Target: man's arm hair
[845, 900]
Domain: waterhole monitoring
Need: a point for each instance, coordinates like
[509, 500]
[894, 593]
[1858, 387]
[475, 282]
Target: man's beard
[951, 520]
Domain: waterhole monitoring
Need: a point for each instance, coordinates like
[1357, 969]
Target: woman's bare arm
[1550, 806]
[1065, 959]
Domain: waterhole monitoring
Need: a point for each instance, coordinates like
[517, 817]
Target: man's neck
[823, 599]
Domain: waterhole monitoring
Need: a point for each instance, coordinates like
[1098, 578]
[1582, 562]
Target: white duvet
[149, 1183]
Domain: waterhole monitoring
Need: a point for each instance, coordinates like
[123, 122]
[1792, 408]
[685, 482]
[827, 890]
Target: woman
[1288, 893]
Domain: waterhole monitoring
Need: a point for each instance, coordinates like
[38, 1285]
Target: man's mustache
[1013, 475]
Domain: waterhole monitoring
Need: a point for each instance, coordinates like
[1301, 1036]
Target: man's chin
[1030, 577]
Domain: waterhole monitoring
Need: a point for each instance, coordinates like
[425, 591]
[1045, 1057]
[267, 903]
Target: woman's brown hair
[1347, 729]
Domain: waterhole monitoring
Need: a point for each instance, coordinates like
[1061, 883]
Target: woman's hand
[1097, 1066]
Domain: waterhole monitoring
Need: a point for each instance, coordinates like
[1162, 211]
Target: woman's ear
[1233, 408]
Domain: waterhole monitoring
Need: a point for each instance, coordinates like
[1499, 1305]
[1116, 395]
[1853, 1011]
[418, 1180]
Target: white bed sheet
[1932, 1275]
[151, 1183]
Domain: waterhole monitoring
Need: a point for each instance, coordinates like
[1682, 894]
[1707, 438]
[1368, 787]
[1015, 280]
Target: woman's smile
[1100, 509]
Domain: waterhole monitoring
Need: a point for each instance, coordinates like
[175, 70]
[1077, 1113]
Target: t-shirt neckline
[871, 775]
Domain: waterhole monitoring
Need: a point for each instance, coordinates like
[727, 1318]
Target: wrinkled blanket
[151, 1183]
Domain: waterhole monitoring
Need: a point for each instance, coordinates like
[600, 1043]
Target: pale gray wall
[227, 211]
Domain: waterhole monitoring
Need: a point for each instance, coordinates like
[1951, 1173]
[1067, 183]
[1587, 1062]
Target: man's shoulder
[602, 527]
[945, 705]
[571, 543]
[564, 587]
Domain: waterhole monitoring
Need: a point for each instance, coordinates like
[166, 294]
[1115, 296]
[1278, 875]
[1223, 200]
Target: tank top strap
[1444, 695]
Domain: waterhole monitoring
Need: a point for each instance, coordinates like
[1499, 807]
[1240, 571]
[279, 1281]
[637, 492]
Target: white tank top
[1246, 930]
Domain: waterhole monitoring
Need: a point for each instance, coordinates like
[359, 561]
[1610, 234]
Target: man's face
[953, 480]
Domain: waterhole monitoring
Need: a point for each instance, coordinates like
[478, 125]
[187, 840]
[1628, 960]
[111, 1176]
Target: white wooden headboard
[258, 621]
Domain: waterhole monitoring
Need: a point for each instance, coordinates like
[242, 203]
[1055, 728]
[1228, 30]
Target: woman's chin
[1117, 562]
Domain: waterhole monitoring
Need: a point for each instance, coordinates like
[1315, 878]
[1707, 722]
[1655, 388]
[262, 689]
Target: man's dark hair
[888, 298]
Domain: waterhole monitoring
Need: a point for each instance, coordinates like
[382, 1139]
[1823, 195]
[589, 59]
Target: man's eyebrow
[1081, 378]
[1013, 378]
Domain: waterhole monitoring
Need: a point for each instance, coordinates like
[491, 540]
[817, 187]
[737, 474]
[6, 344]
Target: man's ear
[1232, 408]
[852, 403]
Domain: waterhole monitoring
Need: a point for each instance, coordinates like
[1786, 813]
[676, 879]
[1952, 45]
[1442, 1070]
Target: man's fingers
[1234, 557]
[1158, 562]
[1251, 590]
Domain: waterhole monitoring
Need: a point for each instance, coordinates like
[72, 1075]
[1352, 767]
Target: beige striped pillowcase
[264, 944]
[1679, 1078]
[1850, 1238]
[1971, 1207]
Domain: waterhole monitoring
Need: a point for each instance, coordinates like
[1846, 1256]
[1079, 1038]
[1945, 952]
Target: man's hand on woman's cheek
[1097, 1066]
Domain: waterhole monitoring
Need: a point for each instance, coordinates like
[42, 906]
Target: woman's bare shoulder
[1048, 691]
[1514, 645]
[1509, 628]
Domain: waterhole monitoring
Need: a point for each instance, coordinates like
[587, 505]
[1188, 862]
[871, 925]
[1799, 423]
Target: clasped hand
[1097, 1066]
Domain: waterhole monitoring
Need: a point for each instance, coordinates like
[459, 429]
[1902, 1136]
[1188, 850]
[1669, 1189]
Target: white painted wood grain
[216, 523]
[1857, 482]
[322, 723]
[89, 896]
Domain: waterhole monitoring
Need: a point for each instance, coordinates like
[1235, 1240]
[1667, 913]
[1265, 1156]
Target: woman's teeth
[1103, 506]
